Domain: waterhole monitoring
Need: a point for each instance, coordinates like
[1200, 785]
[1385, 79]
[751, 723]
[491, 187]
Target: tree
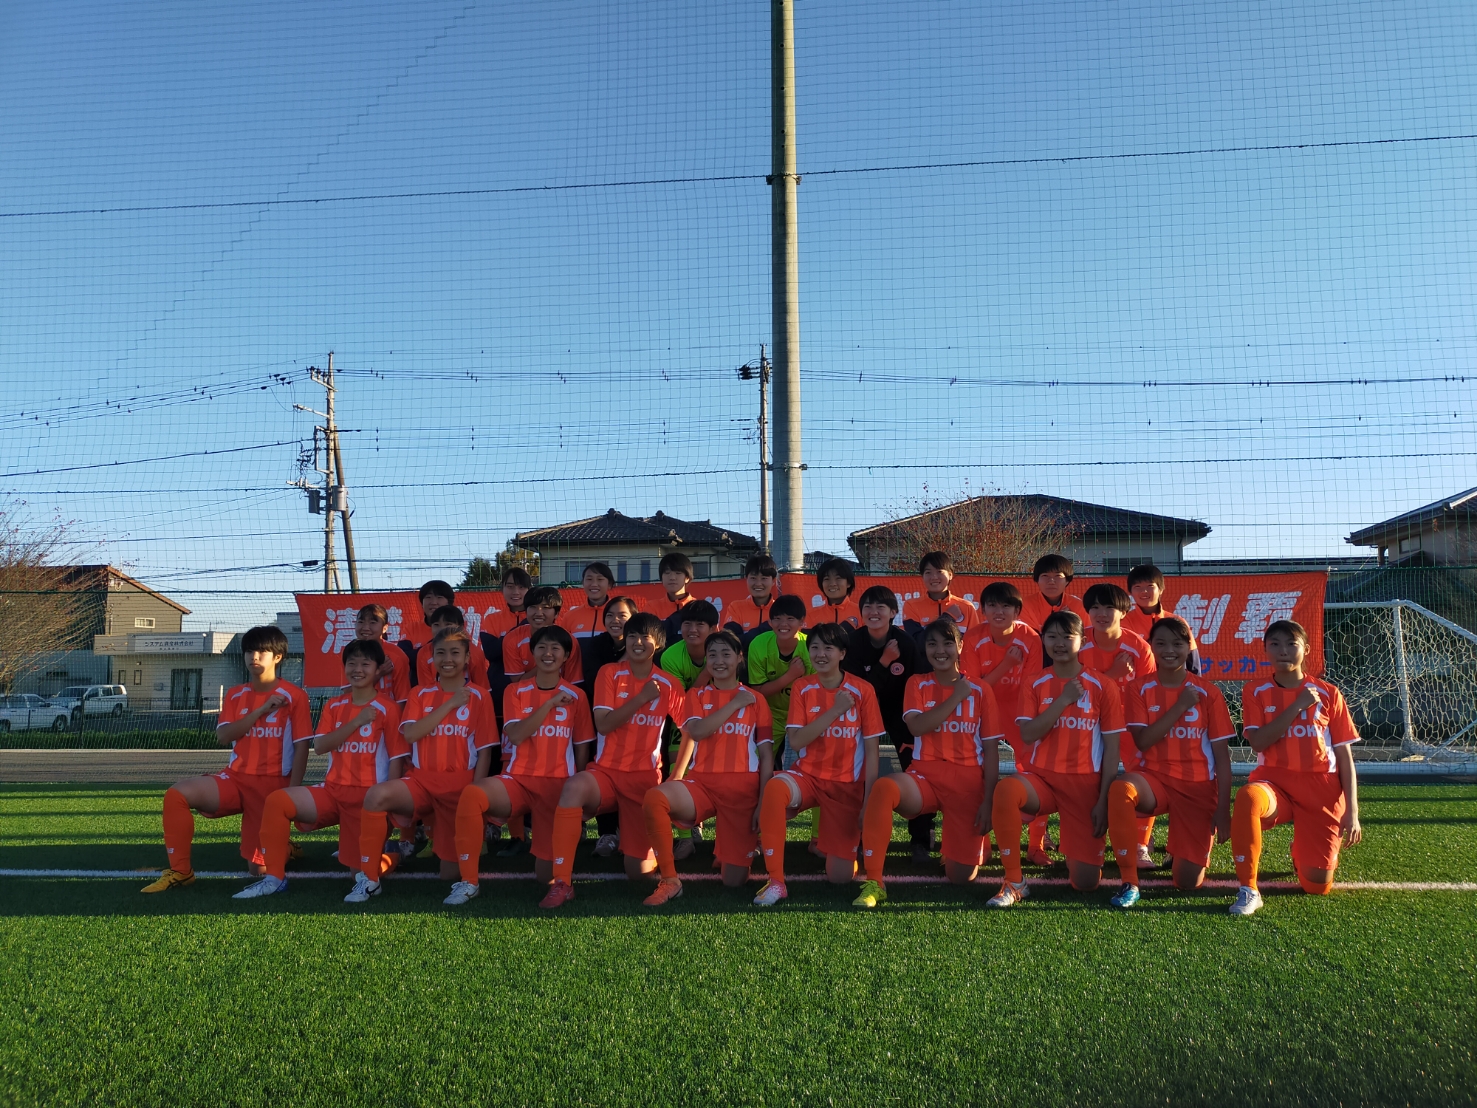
[484, 574]
[481, 574]
[42, 601]
[982, 534]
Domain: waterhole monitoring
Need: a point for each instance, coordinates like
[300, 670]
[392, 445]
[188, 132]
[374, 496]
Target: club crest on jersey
[1192, 715]
[367, 730]
[464, 713]
[561, 713]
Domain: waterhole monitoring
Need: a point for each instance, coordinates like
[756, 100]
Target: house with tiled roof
[634, 545]
[1443, 532]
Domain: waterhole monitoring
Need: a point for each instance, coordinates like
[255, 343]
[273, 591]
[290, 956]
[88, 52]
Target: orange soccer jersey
[268, 747]
[364, 758]
[583, 620]
[548, 752]
[425, 665]
[664, 607]
[839, 753]
[1141, 623]
[637, 743]
[845, 612]
[982, 655]
[923, 610]
[734, 747]
[1036, 608]
[960, 738]
[746, 613]
[518, 657]
[1185, 753]
[1100, 659]
[1307, 747]
[453, 746]
[498, 621]
[1075, 743]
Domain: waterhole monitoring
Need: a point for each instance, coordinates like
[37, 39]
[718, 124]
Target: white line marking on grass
[799, 878]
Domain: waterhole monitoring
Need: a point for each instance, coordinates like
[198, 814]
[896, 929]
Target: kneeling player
[547, 734]
[451, 730]
[733, 758]
[633, 701]
[835, 725]
[956, 761]
[360, 732]
[1071, 718]
[1301, 730]
[264, 722]
[1182, 730]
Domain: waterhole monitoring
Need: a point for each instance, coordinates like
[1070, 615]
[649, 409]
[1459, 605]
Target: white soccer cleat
[772, 893]
[363, 889]
[265, 887]
[1009, 895]
[1146, 857]
[1248, 901]
[461, 892]
[607, 845]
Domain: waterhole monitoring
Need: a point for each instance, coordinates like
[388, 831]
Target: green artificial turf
[108, 996]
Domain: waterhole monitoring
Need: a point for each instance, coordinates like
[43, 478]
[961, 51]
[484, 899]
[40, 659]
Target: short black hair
[841, 568]
[269, 637]
[727, 637]
[1052, 563]
[365, 648]
[555, 632]
[944, 628]
[1139, 575]
[543, 596]
[600, 568]
[451, 634]
[788, 605]
[936, 559]
[679, 562]
[832, 634]
[879, 594]
[438, 588]
[699, 611]
[1176, 626]
[1286, 627]
[1001, 592]
[612, 601]
[377, 611]
[1070, 622]
[644, 623]
[517, 575]
[448, 613]
[1107, 595]
[763, 565]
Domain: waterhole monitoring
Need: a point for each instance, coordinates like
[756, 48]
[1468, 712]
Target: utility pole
[333, 497]
[748, 373]
[789, 540]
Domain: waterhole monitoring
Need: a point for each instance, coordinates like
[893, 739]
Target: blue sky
[1139, 254]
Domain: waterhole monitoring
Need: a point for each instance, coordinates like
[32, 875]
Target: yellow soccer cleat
[170, 879]
[872, 895]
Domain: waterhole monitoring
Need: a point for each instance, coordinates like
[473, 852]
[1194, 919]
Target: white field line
[801, 878]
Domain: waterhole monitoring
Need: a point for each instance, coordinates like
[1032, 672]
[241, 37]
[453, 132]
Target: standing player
[433, 596]
[834, 726]
[684, 659]
[360, 732]
[1053, 576]
[956, 762]
[450, 729]
[1301, 730]
[604, 649]
[584, 621]
[449, 617]
[393, 681]
[263, 722]
[541, 609]
[1181, 727]
[837, 582]
[1146, 587]
[547, 735]
[749, 615]
[731, 767]
[1070, 717]
[938, 600]
[777, 659]
[675, 573]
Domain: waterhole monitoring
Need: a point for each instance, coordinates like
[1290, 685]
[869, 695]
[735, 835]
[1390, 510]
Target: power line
[159, 458]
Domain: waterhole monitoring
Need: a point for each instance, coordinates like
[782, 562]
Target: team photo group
[657, 719]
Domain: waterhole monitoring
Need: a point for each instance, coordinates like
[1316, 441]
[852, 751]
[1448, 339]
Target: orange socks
[1145, 830]
[1251, 807]
[471, 817]
[1035, 834]
[772, 828]
[179, 830]
[658, 810]
[877, 824]
[373, 828]
[1124, 830]
[1010, 798]
[568, 822]
[277, 816]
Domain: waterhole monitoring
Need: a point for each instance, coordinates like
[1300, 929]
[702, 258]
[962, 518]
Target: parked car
[92, 700]
[28, 712]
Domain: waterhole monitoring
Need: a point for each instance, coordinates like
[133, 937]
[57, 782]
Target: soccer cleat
[1146, 857]
[461, 892]
[921, 854]
[558, 896]
[265, 887]
[772, 893]
[1248, 900]
[667, 889]
[683, 850]
[607, 845]
[696, 834]
[1127, 897]
[1009, 895]
[872, 894]
[363, 889]
[1038, 857]
[170, 879]
[515, 849]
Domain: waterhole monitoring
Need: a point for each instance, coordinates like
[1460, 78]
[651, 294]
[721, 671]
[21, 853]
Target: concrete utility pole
[748, 373]
[333, 497]
[789, 539]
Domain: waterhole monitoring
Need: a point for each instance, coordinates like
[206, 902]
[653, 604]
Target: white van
[92, 700]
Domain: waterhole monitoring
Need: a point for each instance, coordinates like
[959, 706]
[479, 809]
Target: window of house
[620, 573]
[1412, 543]
[573, 571]
[144, 623]
[702, 568]
[645, 572]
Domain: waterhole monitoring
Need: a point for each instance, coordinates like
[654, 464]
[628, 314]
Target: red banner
[1227, 613]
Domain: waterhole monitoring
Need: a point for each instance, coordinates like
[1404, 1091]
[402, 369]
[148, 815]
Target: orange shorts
[342, 805]
[1071, 796]
[957, 791]
[840, 803]
[538, 797]
[1191, 809]
[436, 796]
[733, 799]
[622, 791]
[245, 794]
[1314, 803]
